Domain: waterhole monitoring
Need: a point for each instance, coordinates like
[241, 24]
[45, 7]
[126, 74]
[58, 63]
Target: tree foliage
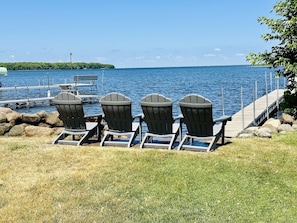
[283, 56]
[54, 66]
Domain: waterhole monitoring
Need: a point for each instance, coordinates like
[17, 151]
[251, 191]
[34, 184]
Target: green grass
[248, 180]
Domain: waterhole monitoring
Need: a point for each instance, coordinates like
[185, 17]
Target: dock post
[266, 86]
[242, 107]
[277, 94]
[223, 103]
[254, 107]
[270, 81]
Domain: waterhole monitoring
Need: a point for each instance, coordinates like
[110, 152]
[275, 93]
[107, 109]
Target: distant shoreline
[55, 66]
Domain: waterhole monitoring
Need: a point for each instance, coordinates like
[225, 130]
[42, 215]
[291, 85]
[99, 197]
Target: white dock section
[255, 113]
[31, 96]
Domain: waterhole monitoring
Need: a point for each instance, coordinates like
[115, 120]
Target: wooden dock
[255, 113]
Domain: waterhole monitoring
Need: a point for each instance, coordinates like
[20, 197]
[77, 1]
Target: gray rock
[5, 110]
[285, 128]
[286, 119]
[3, 118]
[4, 128]
[42, 114]
[38, 131]
[53, 119]
[13, 116]
[272, 123]
[17, 130]
[30, 118]
[245, 135]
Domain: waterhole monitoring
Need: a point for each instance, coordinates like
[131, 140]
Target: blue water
[221, 84]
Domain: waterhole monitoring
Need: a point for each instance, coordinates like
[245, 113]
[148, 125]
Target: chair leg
[132, 137]
[213, 142]
[103, 139]
[60, 137]
[182, 142]
[143, 141]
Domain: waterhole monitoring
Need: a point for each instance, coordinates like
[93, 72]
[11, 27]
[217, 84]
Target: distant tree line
[54, 66]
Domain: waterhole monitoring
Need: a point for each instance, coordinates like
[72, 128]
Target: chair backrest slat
[117, 109]
[197, 112]
[70, 110]
[157, 110]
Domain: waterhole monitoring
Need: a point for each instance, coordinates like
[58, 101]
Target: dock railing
[260, 110]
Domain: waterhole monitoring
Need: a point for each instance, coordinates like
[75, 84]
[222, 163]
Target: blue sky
[133, 33]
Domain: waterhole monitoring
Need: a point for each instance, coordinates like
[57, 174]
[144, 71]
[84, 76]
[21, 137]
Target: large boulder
[4, 128]
[271, 127]
[286, 119]
[53, 119]
[42, 114]
[17, 130]
[263, 132]
[272, 122]
[38, 131]
[30, 118]
[3, 118]
[13, 117]
[5, 110]
[283, 128]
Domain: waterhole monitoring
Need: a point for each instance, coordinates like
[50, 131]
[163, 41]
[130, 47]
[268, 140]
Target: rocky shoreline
[41, 123]
[285, 123]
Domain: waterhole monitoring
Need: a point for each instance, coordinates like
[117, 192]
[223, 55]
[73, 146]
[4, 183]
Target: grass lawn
[247, 180]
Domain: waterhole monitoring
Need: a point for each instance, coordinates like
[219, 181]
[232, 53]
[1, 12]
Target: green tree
[283, 56]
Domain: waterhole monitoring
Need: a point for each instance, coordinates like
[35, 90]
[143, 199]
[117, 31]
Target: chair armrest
[223, 118]
[138, 116]
[178, 117]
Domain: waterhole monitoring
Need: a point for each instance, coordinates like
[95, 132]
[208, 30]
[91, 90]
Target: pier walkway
[32, 96]
[255, 113]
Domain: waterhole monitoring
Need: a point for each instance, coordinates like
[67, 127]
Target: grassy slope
[248, 180]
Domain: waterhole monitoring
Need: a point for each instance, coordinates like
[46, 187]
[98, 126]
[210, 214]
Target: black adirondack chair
[122, 126]
[78, 129]
[162, 128]
[201, 127]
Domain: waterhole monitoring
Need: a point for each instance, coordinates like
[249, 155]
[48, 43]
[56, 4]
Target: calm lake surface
[220, 84]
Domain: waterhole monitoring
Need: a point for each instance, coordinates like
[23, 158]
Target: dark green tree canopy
[283, 56]
[284, 31]
[54, 66]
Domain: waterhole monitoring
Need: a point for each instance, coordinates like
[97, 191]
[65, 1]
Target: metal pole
[270, 81]
[102, 81]
[277, 88]
[256, 90]
[48, 86]
[267, 113]
[254, 106]
[242, 108]
[71, 60]
[223, 104]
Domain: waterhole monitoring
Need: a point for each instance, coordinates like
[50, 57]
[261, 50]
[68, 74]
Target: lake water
[220, 84]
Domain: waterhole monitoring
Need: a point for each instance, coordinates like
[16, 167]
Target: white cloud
[150, 61]
[158, 57]
[240, 54]
[12, 56]
[217, 49]
[100, 59]
[209, 55]
[139, 58]
[179, 58]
